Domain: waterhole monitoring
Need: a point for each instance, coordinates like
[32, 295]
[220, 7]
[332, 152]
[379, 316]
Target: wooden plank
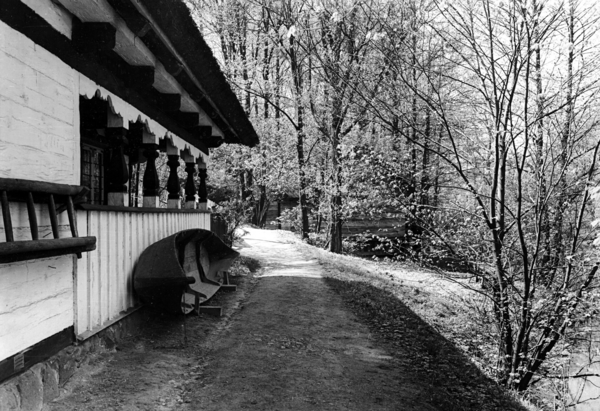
[127, 263]
[135, 253]
[142, 234]
[126, 234]
[96, 269]
[167, 225]
[152, 228]
[163, 224]
[140, 244]
[156, 227]
[106, 227]
[81, 283]
[115, 258]
[124, 262]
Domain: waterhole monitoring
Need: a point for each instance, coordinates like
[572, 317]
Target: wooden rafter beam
[201, 132]
[187, 120]
[169, 102]
[94, 37]
[140, 77]
[213, 142]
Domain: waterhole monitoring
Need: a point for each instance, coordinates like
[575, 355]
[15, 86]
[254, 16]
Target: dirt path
[294, 347]
[286, 342]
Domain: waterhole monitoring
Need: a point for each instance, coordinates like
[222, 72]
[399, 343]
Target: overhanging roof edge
[177, 27]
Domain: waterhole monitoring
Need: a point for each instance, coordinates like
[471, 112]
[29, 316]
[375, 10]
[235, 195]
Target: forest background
[476, 120]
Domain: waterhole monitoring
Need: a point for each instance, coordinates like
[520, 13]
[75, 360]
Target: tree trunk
[297, 74]
[335, 228]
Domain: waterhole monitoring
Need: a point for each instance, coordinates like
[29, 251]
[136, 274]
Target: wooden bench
[31, 192]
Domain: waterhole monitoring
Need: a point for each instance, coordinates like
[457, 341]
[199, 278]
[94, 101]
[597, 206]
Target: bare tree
[518, 135]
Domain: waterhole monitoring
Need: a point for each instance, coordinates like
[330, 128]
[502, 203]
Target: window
[92, 172]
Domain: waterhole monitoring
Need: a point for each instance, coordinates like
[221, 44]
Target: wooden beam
[169, 102]
[94, 37]
[213, 142]
[138, 24]
[140, 77]
[201, 132]
[169, 61]
[187, 120]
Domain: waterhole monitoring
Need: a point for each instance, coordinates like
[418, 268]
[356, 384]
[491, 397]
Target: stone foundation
[40, 384]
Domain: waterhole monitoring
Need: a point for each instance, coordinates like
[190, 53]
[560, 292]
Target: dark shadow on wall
[434, 362]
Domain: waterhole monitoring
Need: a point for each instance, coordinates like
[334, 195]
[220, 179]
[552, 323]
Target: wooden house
[91, 91]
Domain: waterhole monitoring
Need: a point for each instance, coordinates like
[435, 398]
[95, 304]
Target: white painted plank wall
[36, 301]
[39, 140]
[104, 280]
[39, 112]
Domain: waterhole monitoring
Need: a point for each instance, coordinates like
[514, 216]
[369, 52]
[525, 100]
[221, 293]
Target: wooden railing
[31, 192]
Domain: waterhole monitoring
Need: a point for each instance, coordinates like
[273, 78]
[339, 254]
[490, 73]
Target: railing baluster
[52, 212]
[32, 217]
[8, 230]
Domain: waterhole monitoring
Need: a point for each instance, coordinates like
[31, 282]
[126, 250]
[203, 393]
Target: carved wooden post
[202, 195]
[190, 186]
[174, 199]
[150, 181]
[173, 182]
[117, 174]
